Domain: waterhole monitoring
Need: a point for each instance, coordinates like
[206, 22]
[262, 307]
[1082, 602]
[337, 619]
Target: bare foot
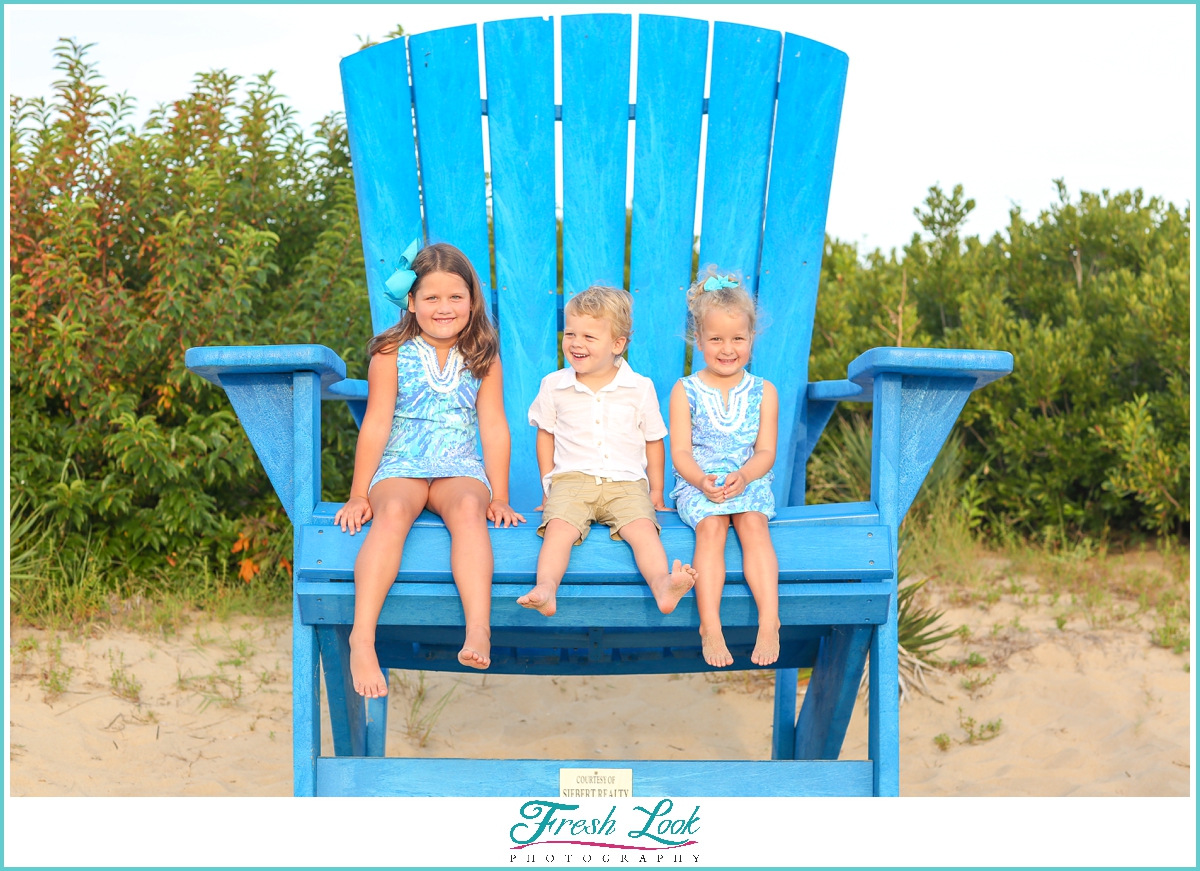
[477, 649]
[364, 669]
[541, 599]
[712, 644]
[766, 646]
[682, 579]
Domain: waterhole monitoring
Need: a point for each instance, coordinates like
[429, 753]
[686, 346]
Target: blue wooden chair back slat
[595, 135]
[445, 74]
[672, 54]
[520, 87]
[741, 110]
[811, 83]
[379, 116]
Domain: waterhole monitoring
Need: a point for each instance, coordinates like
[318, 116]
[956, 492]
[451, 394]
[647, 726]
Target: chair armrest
[212, 363]
[353, 391]
[944, 376]
[276, 391]
[983, 366]
[837, 391]
[918, 394]
[350, 390]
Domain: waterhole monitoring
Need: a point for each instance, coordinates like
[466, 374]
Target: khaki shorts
[579, 499]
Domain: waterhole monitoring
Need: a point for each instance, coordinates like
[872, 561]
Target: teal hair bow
[397, 287]
[718, 282]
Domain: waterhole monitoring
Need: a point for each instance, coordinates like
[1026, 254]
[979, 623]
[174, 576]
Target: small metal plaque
[595, 782]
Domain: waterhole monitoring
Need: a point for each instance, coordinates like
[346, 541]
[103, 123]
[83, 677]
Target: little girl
[434, 385]
[724, 423]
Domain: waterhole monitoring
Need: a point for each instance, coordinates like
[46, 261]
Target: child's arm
[545, 458]
[497, 446]
[763, 458]
[656, 459]
[681, 446]
[372, 439]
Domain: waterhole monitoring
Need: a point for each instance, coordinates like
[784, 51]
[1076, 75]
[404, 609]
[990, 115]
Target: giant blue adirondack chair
[773, 110]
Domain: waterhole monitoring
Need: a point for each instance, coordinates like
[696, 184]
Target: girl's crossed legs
[761, 568]
[395, 505]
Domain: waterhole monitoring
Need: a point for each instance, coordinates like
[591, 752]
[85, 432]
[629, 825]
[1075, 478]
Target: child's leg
[558, 539]
[710, 582]
[668, 587]
[395, 504]
[462, 504]
[762, 576]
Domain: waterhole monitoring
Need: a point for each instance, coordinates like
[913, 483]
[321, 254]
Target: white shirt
[602, 433]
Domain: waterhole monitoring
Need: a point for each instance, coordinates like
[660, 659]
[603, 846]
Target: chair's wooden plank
[805, 554]
[832, 692]
[883, 724]
[595, 134]
[520, 85]
[783, 731]
[822, 514]
[812, 81]
[741, 110]
[548, 636]
[619, 605]
[377, 722]
[380, 122]
[347, 715]
[306, 704]
[445, 74]
[507, 659]
[672, 54]
[526, 777]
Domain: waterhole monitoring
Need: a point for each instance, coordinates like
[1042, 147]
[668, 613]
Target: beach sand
[1081, 711]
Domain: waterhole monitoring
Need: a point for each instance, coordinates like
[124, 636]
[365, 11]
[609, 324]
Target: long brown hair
[478, 342]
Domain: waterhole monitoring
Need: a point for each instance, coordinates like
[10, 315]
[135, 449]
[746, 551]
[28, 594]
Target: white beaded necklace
[440, 380]
[731, 419]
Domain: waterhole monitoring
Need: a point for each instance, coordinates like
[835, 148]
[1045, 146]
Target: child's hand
[501, 514]
[351, 516]
[656, 499]
[735, 484]
[710, 489]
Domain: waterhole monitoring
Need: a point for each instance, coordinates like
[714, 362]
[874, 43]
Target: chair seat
[607, 621]
[811, 547]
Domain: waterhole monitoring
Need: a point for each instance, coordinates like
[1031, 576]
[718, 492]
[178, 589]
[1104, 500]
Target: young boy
[600, 451]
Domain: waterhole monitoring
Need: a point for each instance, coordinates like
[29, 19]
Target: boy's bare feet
[670, 591]
[766, 646]
[541, 599]
[364, 669]
[715, 652]
[477, 649]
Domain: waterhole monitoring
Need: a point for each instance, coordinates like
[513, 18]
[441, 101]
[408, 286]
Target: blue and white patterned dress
[435, 429]
[722, 441]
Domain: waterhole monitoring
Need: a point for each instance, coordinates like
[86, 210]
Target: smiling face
[725, 340]
[441, 302]
[589, 346]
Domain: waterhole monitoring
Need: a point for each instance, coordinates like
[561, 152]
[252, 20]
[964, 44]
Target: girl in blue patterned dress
[724, 424]
[434, 387]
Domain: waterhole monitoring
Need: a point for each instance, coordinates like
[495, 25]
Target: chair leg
[784, 735]
[883, 728]
[832, 691]
[306, 706]
[347, 713]
[377, 710]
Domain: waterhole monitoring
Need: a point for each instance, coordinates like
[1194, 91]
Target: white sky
[1000, 98]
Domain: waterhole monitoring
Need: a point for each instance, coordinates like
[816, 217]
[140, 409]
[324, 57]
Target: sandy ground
[1080, 712]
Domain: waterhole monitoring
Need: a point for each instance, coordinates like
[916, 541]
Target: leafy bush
[219, 222]
[1090, 432]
